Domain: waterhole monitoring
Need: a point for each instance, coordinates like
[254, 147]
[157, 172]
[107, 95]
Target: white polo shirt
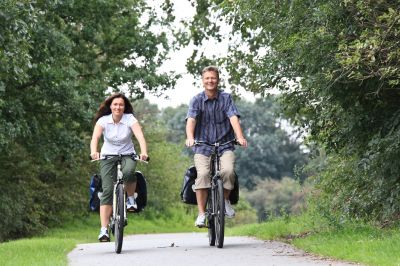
[117, 137]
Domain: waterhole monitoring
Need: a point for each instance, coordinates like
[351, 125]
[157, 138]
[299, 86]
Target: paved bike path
[192, 249]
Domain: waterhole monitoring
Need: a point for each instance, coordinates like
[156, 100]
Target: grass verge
[353, 242]
[52, 248]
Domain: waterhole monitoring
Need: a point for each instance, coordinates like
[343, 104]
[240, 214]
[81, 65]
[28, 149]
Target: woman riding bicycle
[115, 121]
[213, 117]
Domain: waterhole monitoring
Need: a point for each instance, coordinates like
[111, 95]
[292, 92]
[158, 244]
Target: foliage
[174, 118]
[336, 65]
[273, 152]
[57, 61]
[272, 198]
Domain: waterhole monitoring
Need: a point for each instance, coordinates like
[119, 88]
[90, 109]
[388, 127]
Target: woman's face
[117, 106]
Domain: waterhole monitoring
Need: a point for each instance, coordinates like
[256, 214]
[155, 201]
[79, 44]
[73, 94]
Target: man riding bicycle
[213, 117]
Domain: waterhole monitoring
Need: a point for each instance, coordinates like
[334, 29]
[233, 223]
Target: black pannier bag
[141, 190]
[188, 195]
[94, 190]
[234, 195]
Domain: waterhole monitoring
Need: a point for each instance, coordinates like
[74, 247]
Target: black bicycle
[119, 220]
[215, 209]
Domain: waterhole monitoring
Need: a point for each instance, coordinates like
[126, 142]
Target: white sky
[184, 89]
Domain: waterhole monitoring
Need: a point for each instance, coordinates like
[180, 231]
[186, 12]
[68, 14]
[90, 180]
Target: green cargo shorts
[108, 172]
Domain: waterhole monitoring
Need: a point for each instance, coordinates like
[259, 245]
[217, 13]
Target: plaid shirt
[212, 120]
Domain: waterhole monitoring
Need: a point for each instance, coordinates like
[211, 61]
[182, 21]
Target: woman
[115, 121]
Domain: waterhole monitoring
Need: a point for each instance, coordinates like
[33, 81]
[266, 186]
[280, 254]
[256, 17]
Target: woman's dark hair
[105, 109]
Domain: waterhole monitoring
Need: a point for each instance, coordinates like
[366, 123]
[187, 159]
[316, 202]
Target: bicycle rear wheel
[210, 221]
[119, 219]
[219, 218]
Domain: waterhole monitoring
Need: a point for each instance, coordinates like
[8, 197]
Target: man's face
[210, 80]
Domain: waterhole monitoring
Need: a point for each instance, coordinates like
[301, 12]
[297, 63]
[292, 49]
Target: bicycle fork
[118, 183]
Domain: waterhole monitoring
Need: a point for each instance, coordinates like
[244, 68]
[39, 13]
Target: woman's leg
[105, 214]
[128, 170]
[108, 173]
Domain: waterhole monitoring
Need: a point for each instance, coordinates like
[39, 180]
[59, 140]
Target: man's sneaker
[131, 205]
[229, 211]
[200, 221]
[103, 236]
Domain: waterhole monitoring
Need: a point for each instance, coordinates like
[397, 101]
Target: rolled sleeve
[130, 120]
[102, 122]
[231, 108]
[194, 108]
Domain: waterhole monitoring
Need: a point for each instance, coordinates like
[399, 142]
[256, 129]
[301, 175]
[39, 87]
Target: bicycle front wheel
[219, 218]
[119, 218]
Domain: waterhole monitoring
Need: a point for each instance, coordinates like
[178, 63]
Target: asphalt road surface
[192, 249]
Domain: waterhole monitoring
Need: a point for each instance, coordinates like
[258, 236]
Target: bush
[277, 197]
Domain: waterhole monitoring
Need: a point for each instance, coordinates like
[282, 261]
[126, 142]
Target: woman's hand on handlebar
[144, 157]
[95, 155]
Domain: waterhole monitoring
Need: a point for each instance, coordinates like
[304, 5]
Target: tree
[58, 61]
[272, 152]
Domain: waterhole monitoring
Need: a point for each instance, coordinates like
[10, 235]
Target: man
[213, 117]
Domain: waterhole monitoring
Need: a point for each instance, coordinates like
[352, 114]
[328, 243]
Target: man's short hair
[210, 68]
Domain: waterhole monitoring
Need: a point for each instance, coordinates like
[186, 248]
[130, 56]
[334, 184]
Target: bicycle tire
[210, 221]
[119, 219]
[219, 218]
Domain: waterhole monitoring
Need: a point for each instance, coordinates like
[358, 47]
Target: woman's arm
[137, 131]
[97, 131]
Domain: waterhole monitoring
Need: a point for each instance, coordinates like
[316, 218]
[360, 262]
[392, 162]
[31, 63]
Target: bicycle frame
[118, 220]
[215, 209]
[120, 181]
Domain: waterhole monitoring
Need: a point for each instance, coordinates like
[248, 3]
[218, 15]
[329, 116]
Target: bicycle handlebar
[134, 156]
[217, 144]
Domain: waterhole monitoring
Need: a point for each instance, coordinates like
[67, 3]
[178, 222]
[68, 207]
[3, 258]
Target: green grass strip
[353, 242]
[52, 248]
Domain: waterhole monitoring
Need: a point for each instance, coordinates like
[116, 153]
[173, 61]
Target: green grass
[53, 247]
[354, 242]
[362, 243]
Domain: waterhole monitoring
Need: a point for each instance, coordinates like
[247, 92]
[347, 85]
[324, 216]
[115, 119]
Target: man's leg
[227, 161]
[202, 184]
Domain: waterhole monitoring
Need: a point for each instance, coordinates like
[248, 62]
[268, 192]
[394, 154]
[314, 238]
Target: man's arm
[190, 127]
[238, 130]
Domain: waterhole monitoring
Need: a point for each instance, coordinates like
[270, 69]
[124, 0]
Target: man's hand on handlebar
[189, 142]
[242, 142]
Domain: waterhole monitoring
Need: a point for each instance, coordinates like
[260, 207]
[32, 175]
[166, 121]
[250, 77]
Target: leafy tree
[272, 152]
[58, 59]
[174, 118]
[336, 66]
